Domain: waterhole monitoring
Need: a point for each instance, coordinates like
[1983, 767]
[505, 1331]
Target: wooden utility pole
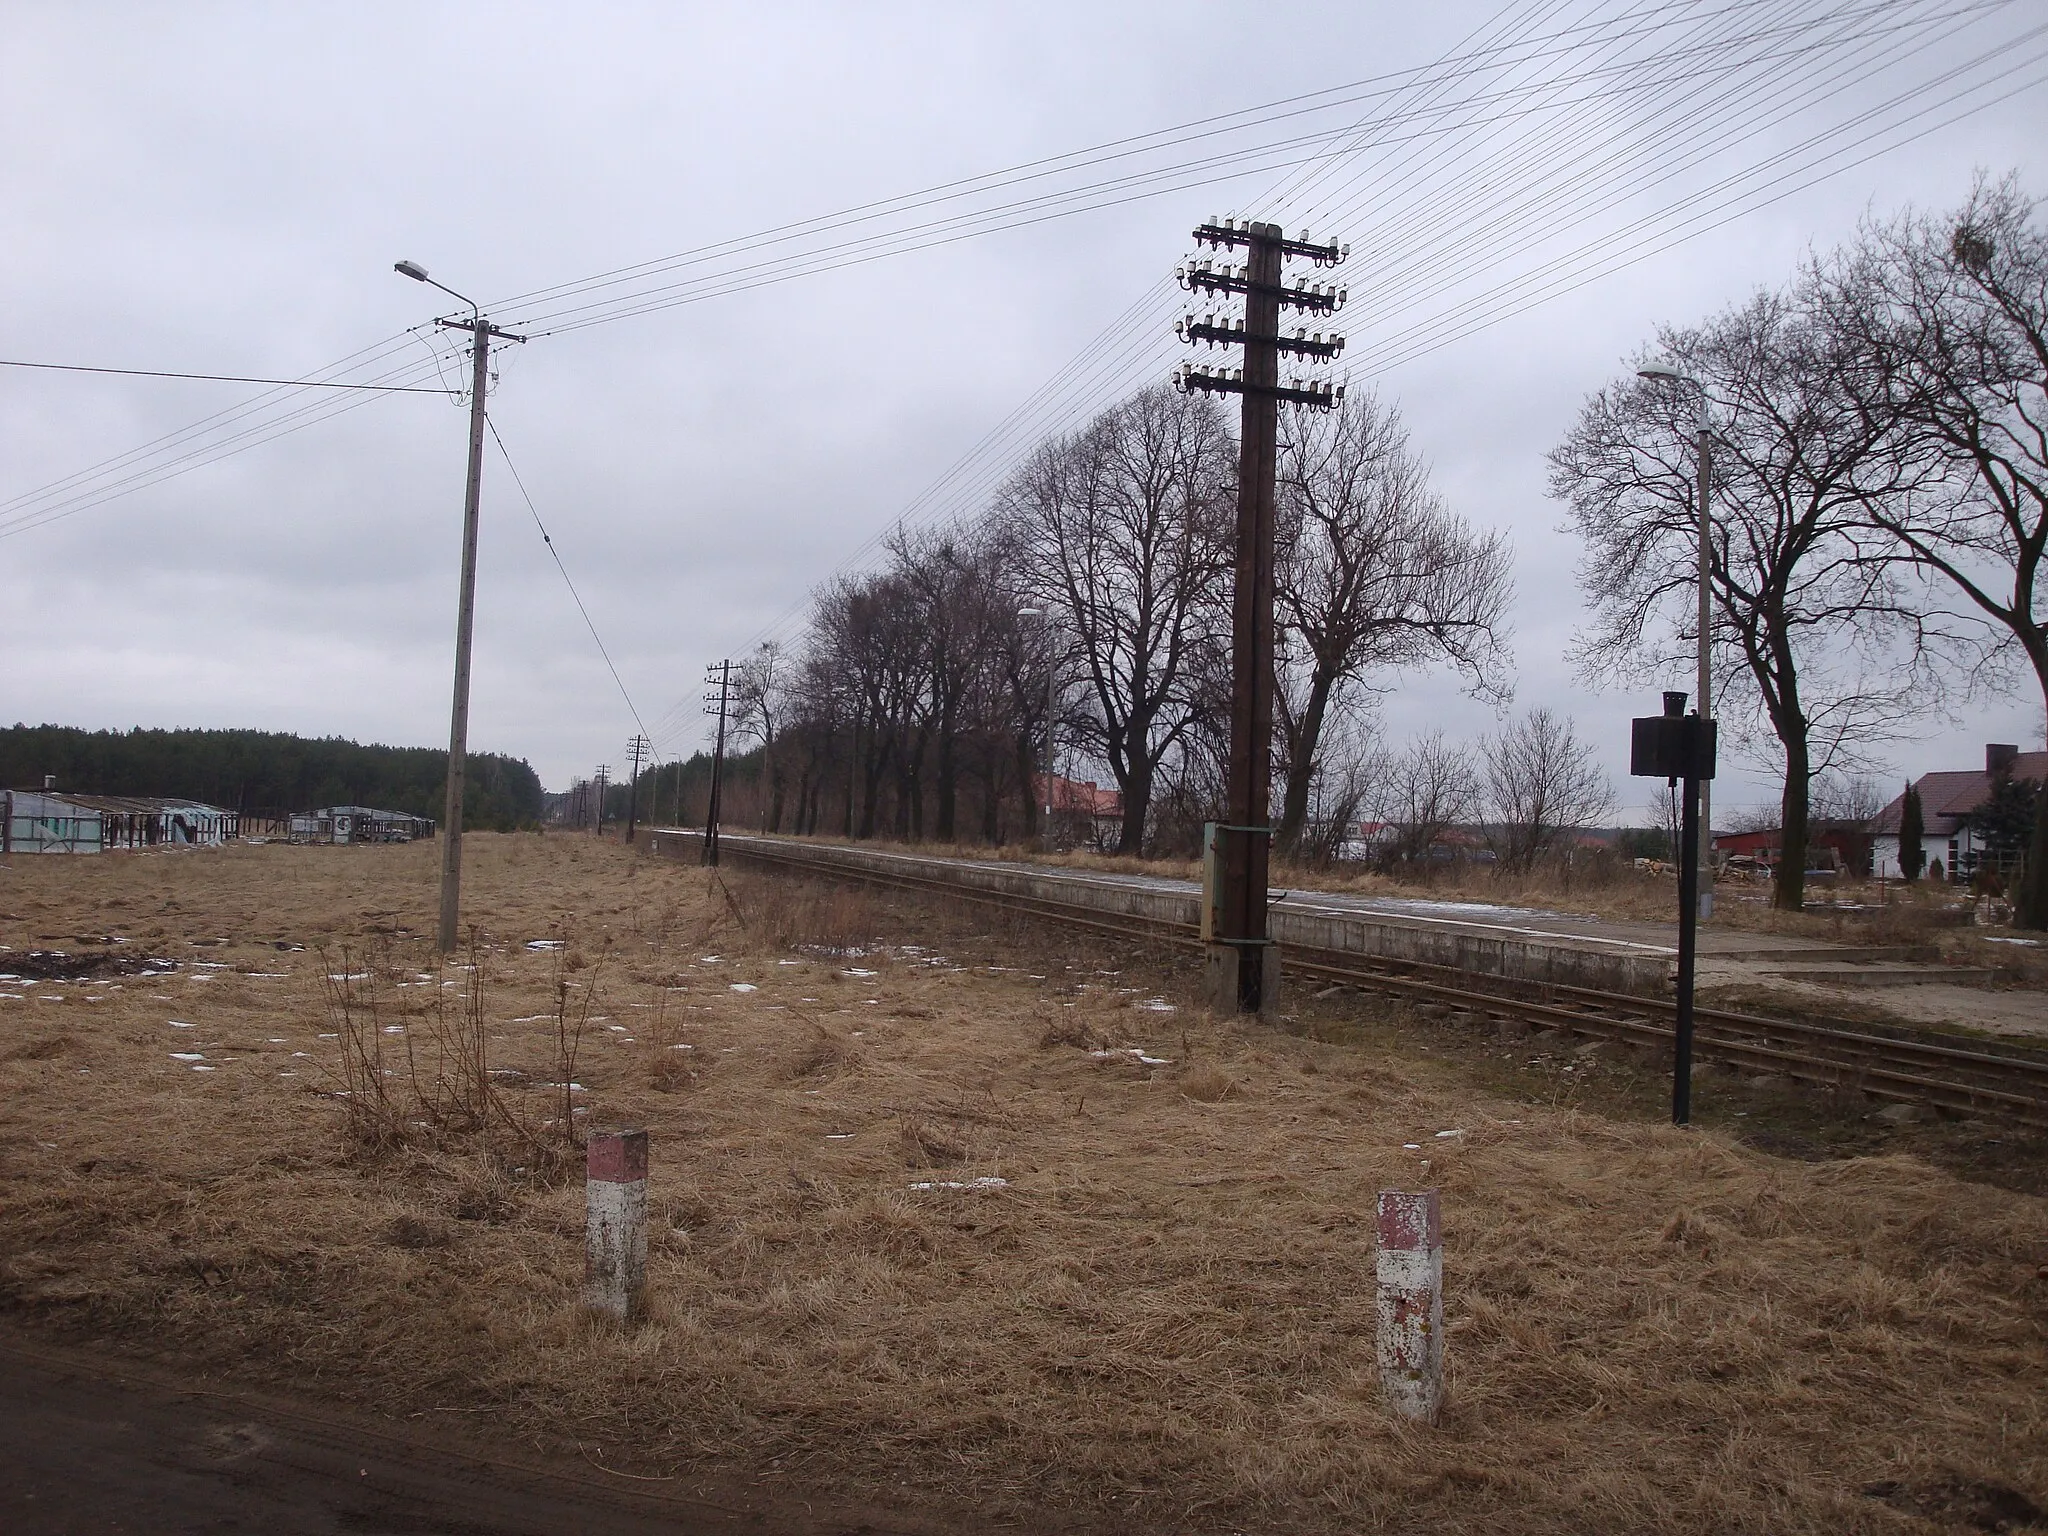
[637, 749]
[720, 673]
[603, 772]
[1242, 966]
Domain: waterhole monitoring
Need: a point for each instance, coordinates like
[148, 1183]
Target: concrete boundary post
[615, 1229]
[1410, 1334]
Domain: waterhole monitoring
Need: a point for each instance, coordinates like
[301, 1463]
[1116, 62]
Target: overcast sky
[224, 188]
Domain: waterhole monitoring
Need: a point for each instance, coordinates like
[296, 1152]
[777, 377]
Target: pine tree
[1912, 828]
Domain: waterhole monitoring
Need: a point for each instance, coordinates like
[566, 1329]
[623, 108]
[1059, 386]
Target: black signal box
[1672, 747]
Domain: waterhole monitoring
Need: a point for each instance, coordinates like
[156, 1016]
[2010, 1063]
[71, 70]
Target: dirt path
[89, 1446]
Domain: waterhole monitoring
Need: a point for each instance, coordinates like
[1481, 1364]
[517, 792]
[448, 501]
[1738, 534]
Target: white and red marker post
[1411, 1302]
[615, 1223]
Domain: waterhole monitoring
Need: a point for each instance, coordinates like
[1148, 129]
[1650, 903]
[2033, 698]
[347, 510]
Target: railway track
[1968, 1079]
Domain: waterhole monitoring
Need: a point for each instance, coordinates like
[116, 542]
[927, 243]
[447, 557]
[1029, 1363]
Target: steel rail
[1916, 1071]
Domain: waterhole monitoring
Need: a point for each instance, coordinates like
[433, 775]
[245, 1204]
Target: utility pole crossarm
[483, 326]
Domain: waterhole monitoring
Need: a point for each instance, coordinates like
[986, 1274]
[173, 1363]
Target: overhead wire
[1696, 224]
[969, 226]
[567, 580]
[218, 378]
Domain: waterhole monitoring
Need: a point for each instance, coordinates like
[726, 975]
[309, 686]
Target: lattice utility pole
[637, 749]
[719, 672]
[604, 772]
[1242, 966]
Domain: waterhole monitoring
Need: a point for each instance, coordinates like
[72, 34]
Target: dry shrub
[1067, 1028]
[814, 915]
[671, 1072]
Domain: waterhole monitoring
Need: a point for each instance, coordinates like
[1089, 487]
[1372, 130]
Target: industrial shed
[46, 821]
[358, 824]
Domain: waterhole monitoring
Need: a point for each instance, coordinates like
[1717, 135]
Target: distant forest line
[267, 772]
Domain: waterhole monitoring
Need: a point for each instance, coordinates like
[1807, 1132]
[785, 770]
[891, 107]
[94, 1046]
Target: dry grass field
[989, 1225]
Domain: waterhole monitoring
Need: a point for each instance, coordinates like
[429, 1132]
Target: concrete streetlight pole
[481, 334]
[1703, 459]
[1051, 691]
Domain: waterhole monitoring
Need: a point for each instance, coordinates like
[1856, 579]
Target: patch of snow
[188, 1056]
[178, 1024]
[1446, 1135]
[856, 971]
[1154, 1005]
[985, 1182]
[1411, 1146]
[744, 986]
[202, 1067]
[1996, 938]
[351, 976]
[542, 946]
[839, 1135]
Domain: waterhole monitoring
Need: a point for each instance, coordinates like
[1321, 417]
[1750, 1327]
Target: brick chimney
[1998, 756]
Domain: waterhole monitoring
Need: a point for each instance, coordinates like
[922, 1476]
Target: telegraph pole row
[1242, 967]
[482, 333]
[637, 749]
[604, 771]
[719, 672]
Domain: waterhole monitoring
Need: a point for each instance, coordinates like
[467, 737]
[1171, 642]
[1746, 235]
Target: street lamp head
[411, 269]
[1664, 373]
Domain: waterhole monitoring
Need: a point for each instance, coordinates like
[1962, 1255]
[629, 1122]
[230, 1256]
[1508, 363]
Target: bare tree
[1826, 644]
[1541, 782]
[1372, 572]
[758, 689]
[1430, 787]
[1847, 798]
[1121, 530]
[1945, 323]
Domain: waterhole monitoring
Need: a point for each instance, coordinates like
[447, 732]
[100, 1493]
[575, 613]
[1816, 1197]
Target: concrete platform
[1497, 941]
[1522, 943]
[1844, 973]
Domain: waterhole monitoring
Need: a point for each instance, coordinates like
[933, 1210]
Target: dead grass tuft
[827, 1054]
[47, 1049]
[926, 1146]
[1207, 1084]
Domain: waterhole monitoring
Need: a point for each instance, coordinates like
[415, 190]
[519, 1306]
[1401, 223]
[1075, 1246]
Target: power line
[1648, 22]
[1504, 300]
[588, 623]
[223, 378]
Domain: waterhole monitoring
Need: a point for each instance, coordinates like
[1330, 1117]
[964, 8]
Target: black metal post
[1688, 931]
